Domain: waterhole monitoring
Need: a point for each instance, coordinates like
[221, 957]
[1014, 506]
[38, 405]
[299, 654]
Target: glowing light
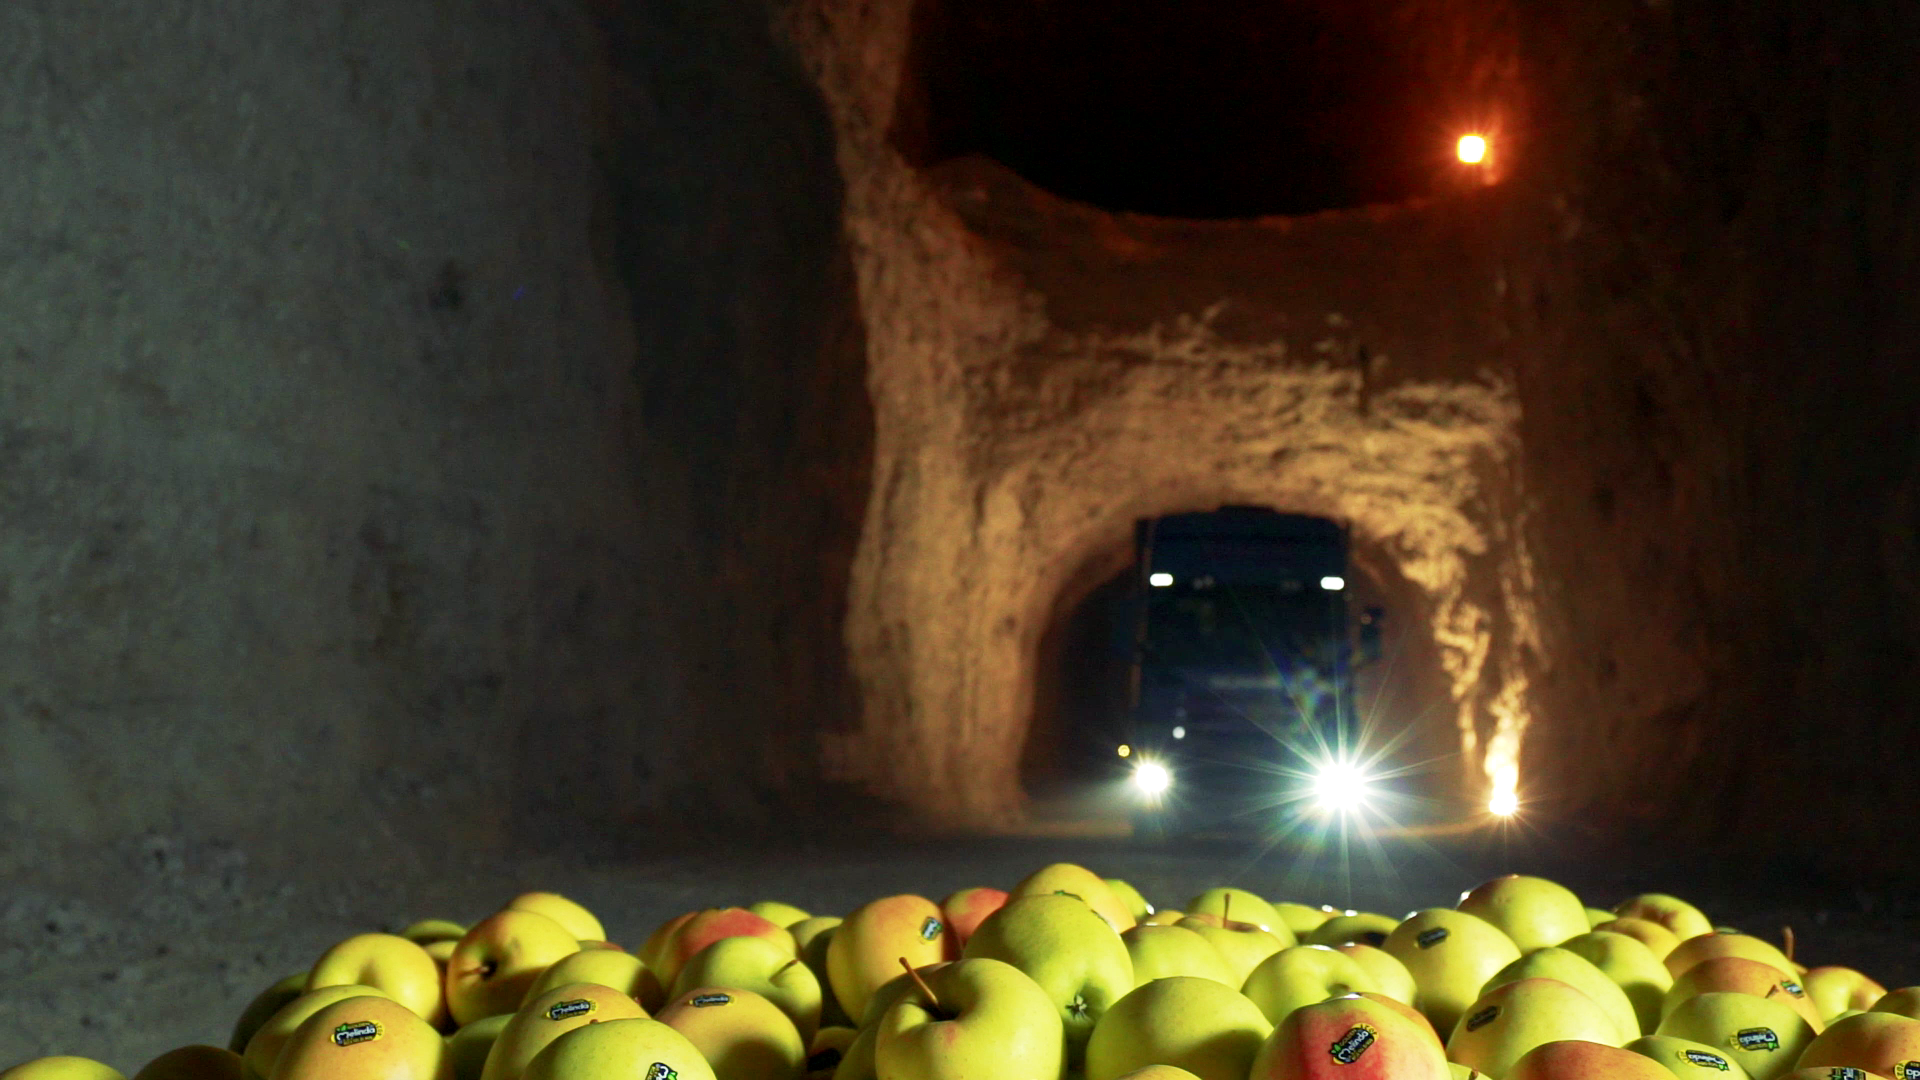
[1152, 778]
[1472, 149]
[1179, 732]
[1332, 583]
[1341, 787]
[1503, 804]
[1125, 750]
[1160, 581]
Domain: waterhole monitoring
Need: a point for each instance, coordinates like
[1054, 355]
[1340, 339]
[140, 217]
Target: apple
[1575, 1059]
[263, 1050]
[1707, 946]
[1451, 955]
[1533, 911]
[194, 1063]
[1834, 989]
[966, 909]
[857, 1061]
[1834, 1072]
[1239, 905]
[1195, 1024]
[1461, 1072]
[1553, 962]
[499, 958]
[807, 930]
[1241, 945]
[1764, 1035]
[1387, 972]
[469, 1046]
[1365, 927]
[984, 1018]
[1506, 1022]
[622, 971]
[1596, 916]
[813, 937]
[1164, 917]
[712, 925]
[1902, 1002]
[779, 914]
[62, 1067]
[741, 1034]
[1069, 949]
[656, 943]
[364, 1036]
[1137, 905]
[1879, 1042]
[389, 963]
[1633, 968]
[1686, 1059]
[620, 1050]
[579, 922]
[763, 967]
[1348, 1038]
[1302, 975]
[1414, 1016]
[549, 1016]
[1160, 1072]
[866, 948]
[1678, 916]
[263, 1006]
[1742, 976]
[1301, 918]
[828, 1046]
[1159, 952]
[1658, 939]
[428, 931]
[1076, 881]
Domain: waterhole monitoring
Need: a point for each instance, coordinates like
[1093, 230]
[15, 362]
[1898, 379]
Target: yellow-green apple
[812, 938]
[1069, 949]
[966, 909]
[866, 948]
[1195, 1024]
[1678, 916]
[761, 966]
[428, 931]
[807, 930]
[1495, 1031]
[1387, 972]
[1159, 952]
[828, 1046]
[1553, 962]
[1365, 927]
[985, 1018]
[62, 1067]
[710, 926]
[550, 1016]
[1302, 975]
[500, 956]
[1348, 1038]
[1658, 939]
[1596, 916]
[1077, 881]
[1241, 945]
[265, 1046]
[778, 913]
[1632, 967]
[1834, 989]
[1576, 1059]
[468, 1047]
[857, 1062]
[1688, 1060]
[1239, 905]
[1739, 975]
[1764, 1035]
[580, 922]
[1160, 1072]
[1708, 946]
[1137, 905]
[1461, 1072]
[1902, 1002]
[263, 1006]
[622, 971]
[620, 1050]
[1533, 911]
[1450, 955]
[1164, 917]
[389, 963]
[194, 1063]
[364, 1036]
[741, 1034]
[1879, 1042]
[1302, 919]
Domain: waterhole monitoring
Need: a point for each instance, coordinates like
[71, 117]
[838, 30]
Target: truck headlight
[1152, 778]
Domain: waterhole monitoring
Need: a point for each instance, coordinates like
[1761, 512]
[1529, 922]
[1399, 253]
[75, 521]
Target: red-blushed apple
[1573, 1059]
[364, 1038]
[711, 925]
[1882, 1043]
[1414, 1016]
[579, 922]
[1507, 1021]
[194, 1063]
[1739, 975]
[966, 909]
[498, 959]
[549, 1016]
[620, 1050]
[1077, 881]
[1196, 1024]
[1834, 990]
[1348, 1038]
[866, 947]
[650, 954]
[1708, 946]
[741, 1034]
[975, 1018]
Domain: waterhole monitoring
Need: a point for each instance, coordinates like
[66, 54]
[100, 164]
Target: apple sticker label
[1793, 988]
[1756, 1039]
[659, 1070]
[1427, 939]
[1907, 1070]
[1482, 1018]
[1354, 1043]
[567, 1010]
[1848, 1072]
[358, 1031]
[930, 929]
[1704, 1060]
[702, 1001]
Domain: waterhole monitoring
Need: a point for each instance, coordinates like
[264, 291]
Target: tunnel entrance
[1205, 108]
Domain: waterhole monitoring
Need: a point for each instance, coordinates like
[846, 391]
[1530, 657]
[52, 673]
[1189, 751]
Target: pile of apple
[1067, 975]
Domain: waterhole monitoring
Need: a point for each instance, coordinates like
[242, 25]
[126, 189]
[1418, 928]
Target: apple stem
[921, 983]
[785, 966]
[1786, 940]
[1226, 909]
